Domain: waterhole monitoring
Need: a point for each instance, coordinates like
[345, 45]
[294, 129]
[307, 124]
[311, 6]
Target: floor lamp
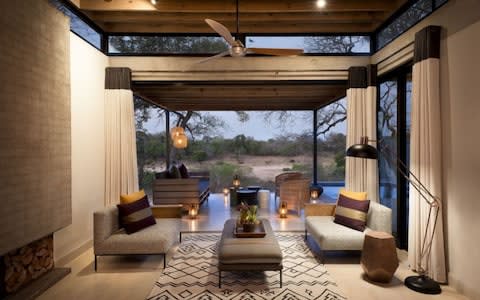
[421, 283]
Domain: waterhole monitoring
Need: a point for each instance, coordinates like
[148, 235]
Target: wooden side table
[379, 256]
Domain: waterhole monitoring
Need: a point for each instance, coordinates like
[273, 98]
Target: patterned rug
[193, 274]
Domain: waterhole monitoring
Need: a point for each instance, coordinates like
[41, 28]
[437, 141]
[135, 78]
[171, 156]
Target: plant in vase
[248, 217]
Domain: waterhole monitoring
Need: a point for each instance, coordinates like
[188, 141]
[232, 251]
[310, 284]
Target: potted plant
[248, 217]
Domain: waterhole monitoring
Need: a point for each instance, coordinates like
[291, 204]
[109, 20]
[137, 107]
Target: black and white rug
[193, 274]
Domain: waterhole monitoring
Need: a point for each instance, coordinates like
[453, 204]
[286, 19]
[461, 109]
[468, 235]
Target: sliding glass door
[393, 125]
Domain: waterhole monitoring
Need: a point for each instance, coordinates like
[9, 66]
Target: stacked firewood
[27, 263]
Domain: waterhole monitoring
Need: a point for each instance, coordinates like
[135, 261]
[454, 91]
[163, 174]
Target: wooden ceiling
[256, 16]
[241, 95]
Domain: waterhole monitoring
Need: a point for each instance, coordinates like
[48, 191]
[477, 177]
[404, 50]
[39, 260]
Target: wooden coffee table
[248, 254]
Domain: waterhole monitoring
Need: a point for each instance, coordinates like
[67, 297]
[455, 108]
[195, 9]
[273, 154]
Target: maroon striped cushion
[351, 213]
[136, 215]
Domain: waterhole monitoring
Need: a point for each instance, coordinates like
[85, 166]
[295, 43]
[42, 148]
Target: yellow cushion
[135, 196]
[360, 196]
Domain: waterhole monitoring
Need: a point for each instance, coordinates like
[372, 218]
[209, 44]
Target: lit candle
[283, 210]
[193, 211]
[236, 181]
[314, 194]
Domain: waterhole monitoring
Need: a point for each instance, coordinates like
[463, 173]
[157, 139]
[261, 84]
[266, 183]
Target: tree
[167, 44]
[336, 44]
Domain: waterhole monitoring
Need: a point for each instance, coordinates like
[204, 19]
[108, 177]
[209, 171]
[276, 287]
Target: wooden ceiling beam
[198, 18]
[268, 6]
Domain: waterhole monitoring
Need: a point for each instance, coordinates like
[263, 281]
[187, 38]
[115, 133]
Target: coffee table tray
[259, 232]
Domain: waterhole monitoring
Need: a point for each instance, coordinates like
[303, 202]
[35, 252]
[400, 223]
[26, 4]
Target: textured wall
[35, 152]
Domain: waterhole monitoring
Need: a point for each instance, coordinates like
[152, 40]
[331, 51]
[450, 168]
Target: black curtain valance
[362, 77]
[427, 43]
[118, 78]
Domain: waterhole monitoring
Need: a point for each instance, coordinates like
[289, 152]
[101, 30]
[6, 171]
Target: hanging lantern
[283, 210]
[226, 191]
[180, 141]
[236, 181]
[193, 211]
[176, 131]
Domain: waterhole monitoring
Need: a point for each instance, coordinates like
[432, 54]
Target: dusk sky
[255, 127]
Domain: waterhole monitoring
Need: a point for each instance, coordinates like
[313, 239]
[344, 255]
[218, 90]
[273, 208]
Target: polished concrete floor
[133, 277]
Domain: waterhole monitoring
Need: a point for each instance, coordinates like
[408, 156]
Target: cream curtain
[361, 175]
[121, 174]
[425, 152]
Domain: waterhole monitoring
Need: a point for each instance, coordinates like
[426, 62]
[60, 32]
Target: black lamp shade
[362, 151]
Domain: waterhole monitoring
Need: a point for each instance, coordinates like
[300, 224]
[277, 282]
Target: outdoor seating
[295, 192]
[279, 179]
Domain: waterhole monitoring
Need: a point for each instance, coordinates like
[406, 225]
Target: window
[314, 44]
[131, 44]
[412, 14]
[151, 142]
[387, 134]
[331, 144]
[228, 143]
[393, 133]
[79, 26]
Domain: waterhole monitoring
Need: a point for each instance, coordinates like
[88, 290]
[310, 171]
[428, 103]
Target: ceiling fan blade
[221, 30]
[275, 51]
[221, 54]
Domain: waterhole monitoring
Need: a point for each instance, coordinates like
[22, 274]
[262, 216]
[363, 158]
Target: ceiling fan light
[321, 3]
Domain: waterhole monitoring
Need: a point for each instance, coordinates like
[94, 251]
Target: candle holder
[236, 181]
[283, 210]
[193, 211]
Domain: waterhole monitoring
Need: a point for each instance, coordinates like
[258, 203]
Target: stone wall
[35, 133]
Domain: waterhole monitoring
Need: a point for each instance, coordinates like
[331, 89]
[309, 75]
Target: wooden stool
[379, 256]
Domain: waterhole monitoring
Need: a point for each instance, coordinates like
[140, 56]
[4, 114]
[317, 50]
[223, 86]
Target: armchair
[295, 192]
[279, 179]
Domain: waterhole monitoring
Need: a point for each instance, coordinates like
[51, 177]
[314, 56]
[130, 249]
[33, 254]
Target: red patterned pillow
[136, 216]
[351, 213]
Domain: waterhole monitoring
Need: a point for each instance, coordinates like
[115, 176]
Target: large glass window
[314, 44]
[255, 145]
[131, 44]
[331, 143]
[387, 135]
[394, 122]
[151, 142]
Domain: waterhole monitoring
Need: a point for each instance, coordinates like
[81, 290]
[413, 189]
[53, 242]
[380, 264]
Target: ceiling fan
[236, 47]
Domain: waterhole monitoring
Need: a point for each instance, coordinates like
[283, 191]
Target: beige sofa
[185, 191]
[110, 239]
[332, 236]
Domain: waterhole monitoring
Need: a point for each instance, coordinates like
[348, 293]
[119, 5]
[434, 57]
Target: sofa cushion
[132, 197]
[351, 213]
[183, 171]
[332, 236]
[354, 195]
[136, 216]
[173, 172]
[162, 175]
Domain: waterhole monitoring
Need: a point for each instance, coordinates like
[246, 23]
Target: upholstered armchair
[279, 179]
[295, 192]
